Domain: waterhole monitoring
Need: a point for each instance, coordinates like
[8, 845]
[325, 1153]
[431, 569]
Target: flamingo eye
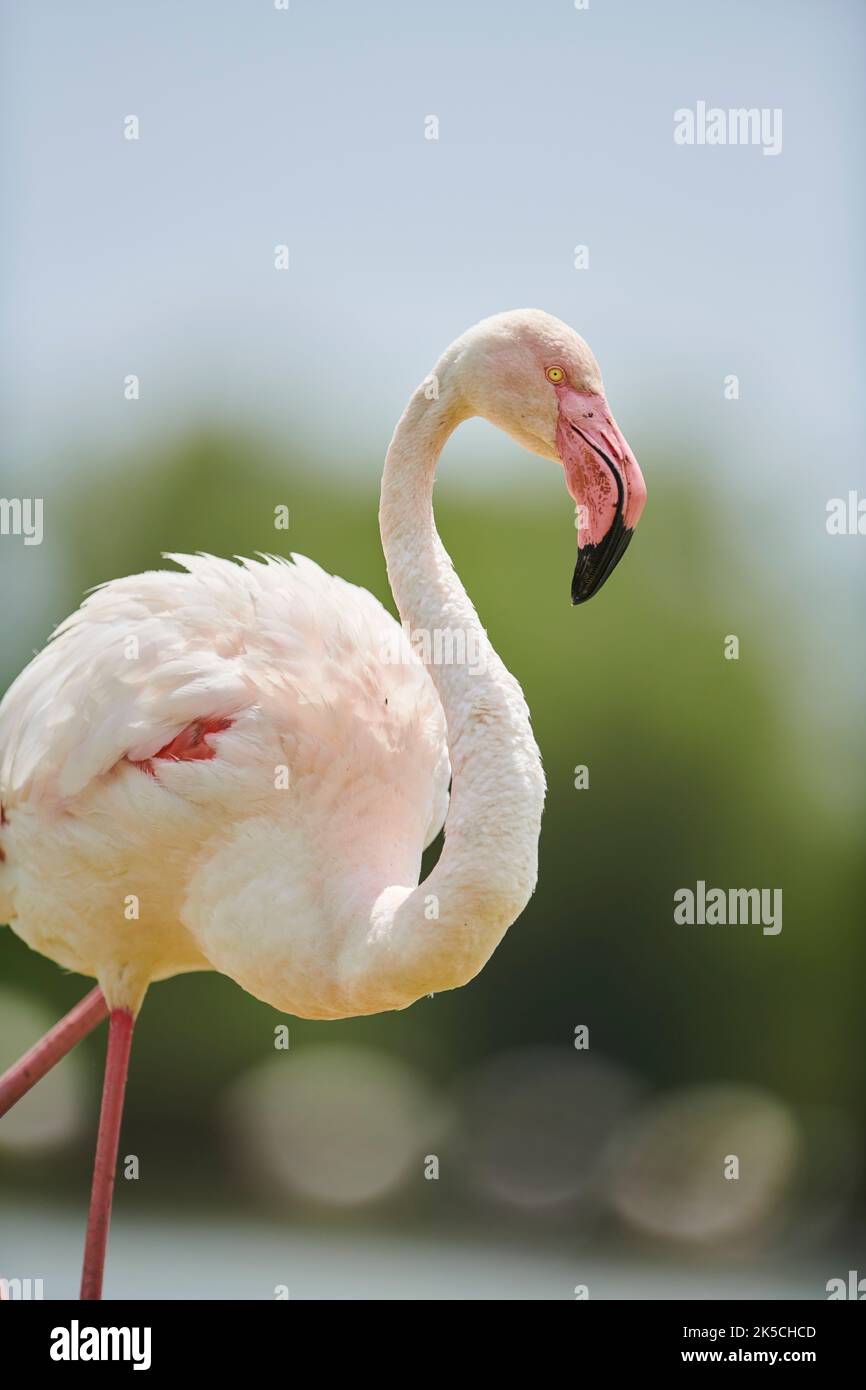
[555, 374]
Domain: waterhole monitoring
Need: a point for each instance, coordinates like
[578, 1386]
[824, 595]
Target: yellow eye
[555, 374]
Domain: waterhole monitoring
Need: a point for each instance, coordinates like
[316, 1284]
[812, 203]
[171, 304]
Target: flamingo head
[534, 377]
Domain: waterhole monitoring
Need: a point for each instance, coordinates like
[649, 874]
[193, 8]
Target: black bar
[262, 1338]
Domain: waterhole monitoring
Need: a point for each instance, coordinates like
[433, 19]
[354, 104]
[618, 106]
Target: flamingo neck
[439, 934]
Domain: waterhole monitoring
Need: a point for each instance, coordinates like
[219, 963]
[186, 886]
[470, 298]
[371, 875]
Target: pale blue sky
[306, 127]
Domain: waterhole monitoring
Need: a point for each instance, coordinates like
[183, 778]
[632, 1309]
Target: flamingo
[237, 766]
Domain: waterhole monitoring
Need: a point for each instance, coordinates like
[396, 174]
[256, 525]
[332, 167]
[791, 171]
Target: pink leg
[120, 1026]
[30, 1068]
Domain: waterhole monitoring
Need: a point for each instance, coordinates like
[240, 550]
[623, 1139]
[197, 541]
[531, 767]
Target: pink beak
[603, 477]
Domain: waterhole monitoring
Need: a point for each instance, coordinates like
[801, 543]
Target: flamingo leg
[120, 1026]
[30, 1068]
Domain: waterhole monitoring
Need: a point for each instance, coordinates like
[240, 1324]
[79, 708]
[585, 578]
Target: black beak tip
[596, 563]
[587, 579]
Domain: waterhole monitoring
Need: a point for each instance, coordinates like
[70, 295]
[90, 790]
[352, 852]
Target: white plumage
[328, 702]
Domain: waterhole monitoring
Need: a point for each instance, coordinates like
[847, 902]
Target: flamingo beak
[603, 477]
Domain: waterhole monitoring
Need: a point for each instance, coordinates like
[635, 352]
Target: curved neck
[439, 934]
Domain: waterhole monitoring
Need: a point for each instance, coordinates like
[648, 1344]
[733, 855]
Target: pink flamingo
[236, 767]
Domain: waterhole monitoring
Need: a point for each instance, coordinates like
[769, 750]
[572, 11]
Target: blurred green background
[703, 1040]
[313, 1168]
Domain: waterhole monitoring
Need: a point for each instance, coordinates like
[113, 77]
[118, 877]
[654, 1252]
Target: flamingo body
[186, 756]
[237, 766]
